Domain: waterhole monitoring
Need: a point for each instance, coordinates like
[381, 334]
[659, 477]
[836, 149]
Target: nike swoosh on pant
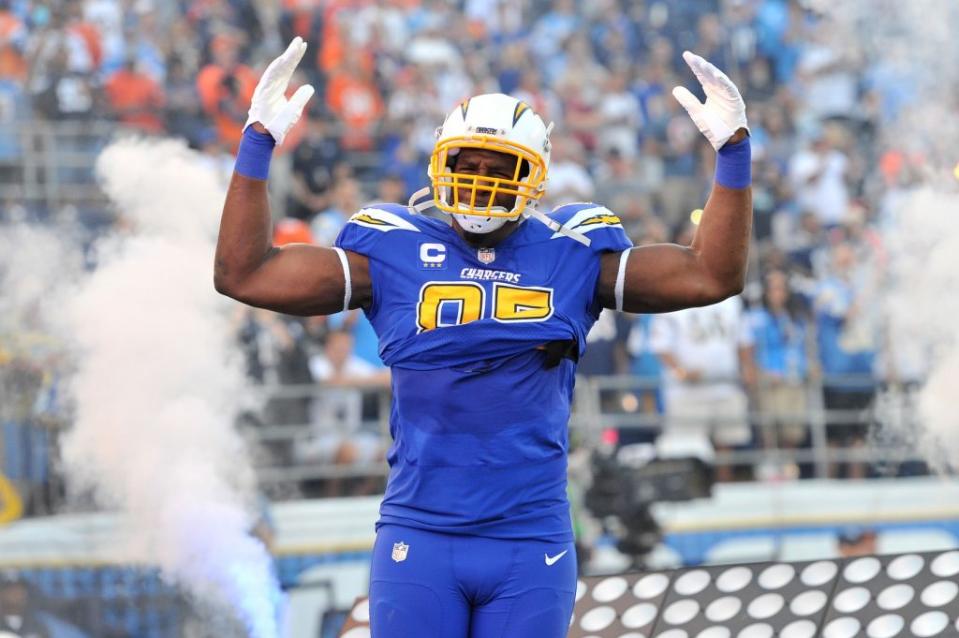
[550, 560]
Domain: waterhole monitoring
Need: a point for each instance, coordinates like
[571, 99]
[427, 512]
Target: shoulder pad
[585, 217]
[384, 218]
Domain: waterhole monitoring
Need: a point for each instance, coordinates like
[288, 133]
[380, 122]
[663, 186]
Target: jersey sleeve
[602, 226]
[367, 228]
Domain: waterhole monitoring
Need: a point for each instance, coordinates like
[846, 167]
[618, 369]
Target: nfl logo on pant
[399, 551]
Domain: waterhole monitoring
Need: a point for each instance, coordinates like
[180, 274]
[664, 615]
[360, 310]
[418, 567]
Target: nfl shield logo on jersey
[486, 255]
[399, 551]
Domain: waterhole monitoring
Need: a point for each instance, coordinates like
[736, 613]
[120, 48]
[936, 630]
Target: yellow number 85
[468, 300]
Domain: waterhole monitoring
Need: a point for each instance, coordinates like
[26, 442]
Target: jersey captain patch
[381, 220]
[590, 219]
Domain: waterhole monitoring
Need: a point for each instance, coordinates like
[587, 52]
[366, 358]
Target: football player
[481, 321]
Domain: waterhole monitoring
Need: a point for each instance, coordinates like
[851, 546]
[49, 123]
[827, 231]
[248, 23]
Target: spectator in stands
[803, 241]
[225, 87]
[606, 354]
[337, 432]
[541, 97]
[621, 116]
[67, 94]
[553, 28]
[18, 616]
[569, 181]
[846, 341]
[407, 162]
[621, 184]
[183, 114]
[314, 160]
[135, 99]
[707, 358]
[681, 190]
[366, 344]
[828, 87]
[818, 174]
[13, 43]
[14, 112]
[391, 188]
[780, 334]
[346, 196]
[354, 98]
[281, 353]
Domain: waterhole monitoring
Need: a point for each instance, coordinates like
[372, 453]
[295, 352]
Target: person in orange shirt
[226, 87]
[135, 98]
[13, 40]
[354, 98]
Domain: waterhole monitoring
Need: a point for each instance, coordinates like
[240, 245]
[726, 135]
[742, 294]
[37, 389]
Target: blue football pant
[451, 586]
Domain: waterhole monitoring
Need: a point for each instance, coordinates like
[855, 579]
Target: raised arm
[295, 279]
[666, 277]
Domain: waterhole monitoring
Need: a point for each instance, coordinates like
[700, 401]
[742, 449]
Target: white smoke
[912, 46]
[156, 385]
[37, 267]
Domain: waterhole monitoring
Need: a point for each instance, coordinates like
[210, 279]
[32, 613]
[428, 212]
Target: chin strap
[556, 227]
[415, 208]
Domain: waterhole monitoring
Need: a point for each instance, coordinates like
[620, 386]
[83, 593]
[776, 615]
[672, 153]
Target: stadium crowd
[387, 71]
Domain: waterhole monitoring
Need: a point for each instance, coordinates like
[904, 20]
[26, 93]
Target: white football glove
[269, 106]
[724, 112]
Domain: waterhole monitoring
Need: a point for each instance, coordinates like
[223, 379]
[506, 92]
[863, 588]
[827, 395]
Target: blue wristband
[253, 158]
[734, 165]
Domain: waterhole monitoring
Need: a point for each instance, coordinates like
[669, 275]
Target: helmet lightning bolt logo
[521, 107]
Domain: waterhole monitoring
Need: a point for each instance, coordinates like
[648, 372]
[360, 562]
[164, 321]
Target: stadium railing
[52, 165]
[885, 450]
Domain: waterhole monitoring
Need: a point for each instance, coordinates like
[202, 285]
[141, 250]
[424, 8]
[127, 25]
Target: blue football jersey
[479, 422]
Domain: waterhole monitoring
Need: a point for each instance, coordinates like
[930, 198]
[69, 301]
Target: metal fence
[605, 404]
[606, 408]
[49, 167]
[55, 163]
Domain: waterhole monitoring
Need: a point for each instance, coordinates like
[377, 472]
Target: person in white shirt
[818, 177]
[707, 360]
[336, 414]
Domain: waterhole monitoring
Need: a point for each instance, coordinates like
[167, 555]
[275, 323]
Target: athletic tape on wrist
[621, 279]
[347, 282]
[253, 158]
[734, 165]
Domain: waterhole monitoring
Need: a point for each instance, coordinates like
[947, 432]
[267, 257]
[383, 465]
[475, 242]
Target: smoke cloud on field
[912, 49]
[157, 378]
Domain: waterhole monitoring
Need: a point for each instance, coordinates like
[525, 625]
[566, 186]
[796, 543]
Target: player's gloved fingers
[299, 100]
[689, 101]
[291, 59]
[699, 67]
[277, 74]
[292, 55]
[289, 114]
[728, 89]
